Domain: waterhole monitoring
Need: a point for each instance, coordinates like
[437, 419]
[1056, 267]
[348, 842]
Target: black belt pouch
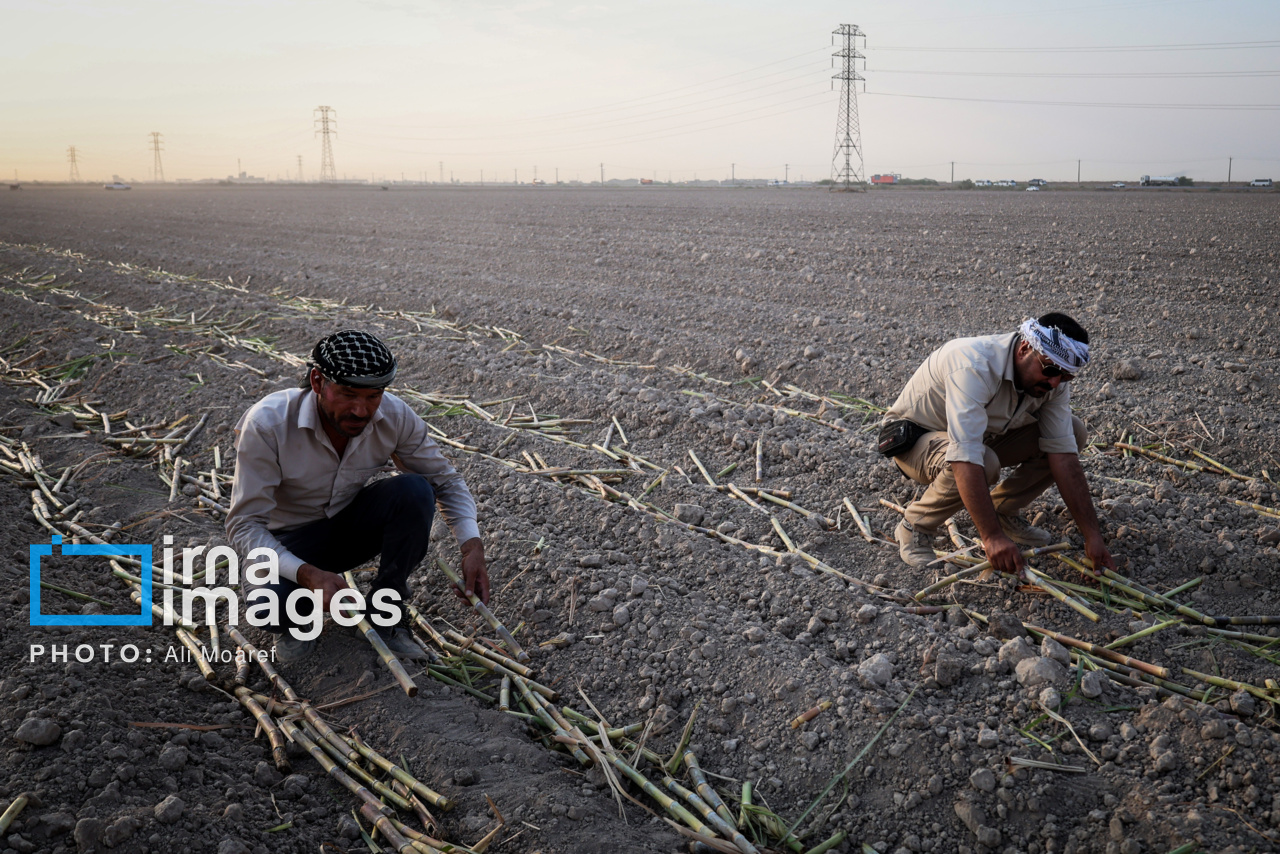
[898, 437]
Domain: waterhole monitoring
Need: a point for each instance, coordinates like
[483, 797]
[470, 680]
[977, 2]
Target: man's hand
[1097, 552]
[1005, 555]
[1068, 474]
[971, 481]
[315, 578]
[474, 573]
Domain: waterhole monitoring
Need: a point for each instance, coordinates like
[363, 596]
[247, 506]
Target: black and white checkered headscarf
[1055, 345]
[353, 358]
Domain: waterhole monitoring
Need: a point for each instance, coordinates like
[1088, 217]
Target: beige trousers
[926, 463]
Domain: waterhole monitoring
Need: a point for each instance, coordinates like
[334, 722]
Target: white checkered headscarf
[1067, 353]
[354, 358]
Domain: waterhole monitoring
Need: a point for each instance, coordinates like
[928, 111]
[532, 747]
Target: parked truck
[1159, 181]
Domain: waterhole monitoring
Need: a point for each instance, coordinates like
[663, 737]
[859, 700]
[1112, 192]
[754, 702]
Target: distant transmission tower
[328, 121]
[157, 170]
[299, 168]
[75, 170]
[846, 163]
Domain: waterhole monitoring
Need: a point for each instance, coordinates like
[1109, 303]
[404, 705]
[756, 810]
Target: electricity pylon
[75, 170]
[157, 169]
[328, 121]
[846, 163]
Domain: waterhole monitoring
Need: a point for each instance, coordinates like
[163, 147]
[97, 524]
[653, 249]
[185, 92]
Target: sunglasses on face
[1050, 370]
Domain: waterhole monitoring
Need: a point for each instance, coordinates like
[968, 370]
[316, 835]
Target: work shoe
[914, 546]
[401, 643]
[289, 649]
[1021, 531]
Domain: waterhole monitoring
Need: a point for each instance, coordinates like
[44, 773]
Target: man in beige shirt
[986, 403]
[303, 458]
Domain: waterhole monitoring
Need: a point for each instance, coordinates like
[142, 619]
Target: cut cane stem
[278, 754]
[388, 657]
[483, 610]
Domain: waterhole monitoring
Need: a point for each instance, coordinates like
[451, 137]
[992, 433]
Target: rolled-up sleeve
[1057, 436]
[420, 454]
[966, 417]
[253, 497]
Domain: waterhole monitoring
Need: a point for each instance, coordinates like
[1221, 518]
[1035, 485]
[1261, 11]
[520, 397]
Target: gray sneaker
[914, 546]
[1021, 531]
[289, 649]
[400, 641]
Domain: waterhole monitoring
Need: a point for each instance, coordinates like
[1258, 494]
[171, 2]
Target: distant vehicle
[1119, 185]
[1034, 188]
[983, 183]
[1159, 181]
[1006, 183]
[1037, 182]
[15, 186]
[886, 179]
[117, 185]
[1260, 182]
[644, 182]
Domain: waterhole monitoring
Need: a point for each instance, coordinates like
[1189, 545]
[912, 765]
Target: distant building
[891, 178]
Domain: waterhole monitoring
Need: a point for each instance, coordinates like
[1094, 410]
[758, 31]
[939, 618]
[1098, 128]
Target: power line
[328, 120]
[1249, 45]
[1122, 75]
[157, 168]
[848, 130]
[1131, 106]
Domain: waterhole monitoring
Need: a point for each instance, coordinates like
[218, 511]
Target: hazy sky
[652, 89]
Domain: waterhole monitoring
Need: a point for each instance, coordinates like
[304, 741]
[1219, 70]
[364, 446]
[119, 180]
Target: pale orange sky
[658, 89]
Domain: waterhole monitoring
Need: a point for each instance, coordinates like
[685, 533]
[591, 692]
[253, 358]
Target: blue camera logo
[142, 552]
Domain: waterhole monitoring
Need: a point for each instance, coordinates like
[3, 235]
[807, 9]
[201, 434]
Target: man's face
[347, 410]
[1028, 372]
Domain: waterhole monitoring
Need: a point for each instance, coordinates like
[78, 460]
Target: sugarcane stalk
[341, 777]
[746, 499]
[435, 673]
[830, 844]
[666, 801]
[1213, 462]
[760, 458]
[483, 610]
[12, 812]
[504, 695]
[270, 672]
[197, 653]
[242, 667]
[803, 718]
[786, 541]
[1261, 508]
[548, 717]
[1184, 587]
[1039, 579]
[1101, 652]
[861, 523]
[724, 828]
[393, 837]
[278, 753]
[705, 789]
[388, 657]
[1150, 630]
[808, 514]
[615, 736]
[697, 462]
[472, 645]
[1231, 684]
[416, 786]
[352, 767]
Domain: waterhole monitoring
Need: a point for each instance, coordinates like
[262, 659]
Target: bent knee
[413, 491]
[1082, 435]
[991, 464]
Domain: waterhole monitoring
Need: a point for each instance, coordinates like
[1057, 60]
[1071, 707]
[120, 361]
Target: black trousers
[391, 518]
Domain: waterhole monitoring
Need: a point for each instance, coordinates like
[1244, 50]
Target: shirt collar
[1011, 349]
